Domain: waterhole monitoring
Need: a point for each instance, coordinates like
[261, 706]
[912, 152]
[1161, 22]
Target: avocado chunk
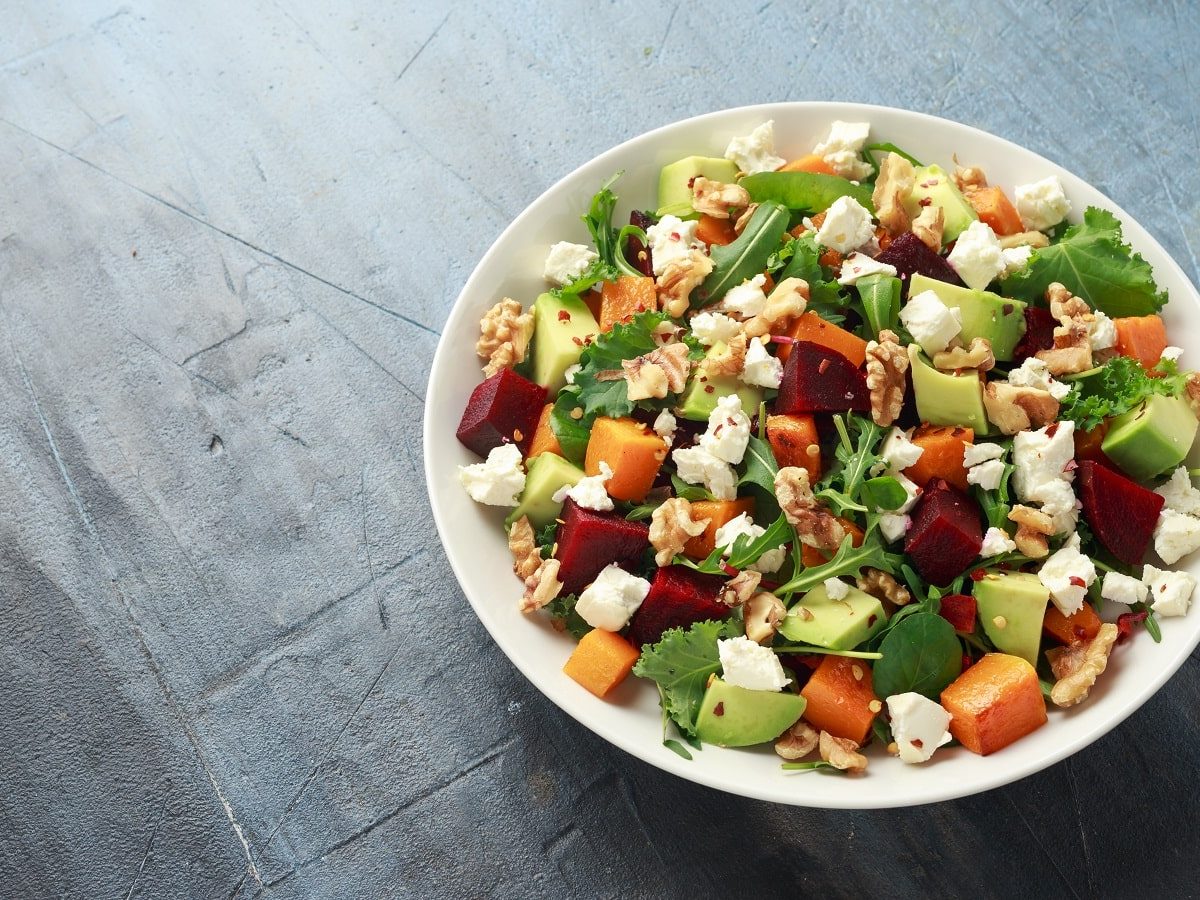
[1012, 606]
[934, 185]
[698, 401]
[944, 398]
[732, 716]
[675, 182]
[547, 473]
[1151, 438]
[984, 314]
[835, 624]
[562, 327]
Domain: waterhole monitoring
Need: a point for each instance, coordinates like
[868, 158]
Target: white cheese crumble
[836, 589]
[1102, 331]
[1015, 259]
[859, 265]
[987, 474]
[894, 526]
[1171, 592]
[728, 430]
[1175, 536]
[841, 149]
[932, 324]
[897, 451]
[588, 492]
[714, 328]
[977, 256]
[671, 239]
[498, 480]
[1040, 474]
[995, 542]
[847, 226]
[1179, 494]
[665, 425]
[567, 261]
[747, 299]
[1034, 373]
[1172, 354]
[919, 726]
[1067, 574]
[755, 152]
[760, 367]
[571, 371]
[1123, 589]
[769, 562]
[609, 601]
[749, 665]
[696, 465]
[974, 454]
[1042, 204]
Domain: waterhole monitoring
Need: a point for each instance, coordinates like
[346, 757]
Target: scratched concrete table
[233, 660]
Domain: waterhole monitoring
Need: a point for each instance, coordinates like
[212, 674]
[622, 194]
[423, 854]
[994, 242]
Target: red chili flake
[1079, 632]
[1127, 623]
[578, 341]
[719, 709]
[692, 181]
[978, 575]
[823, 366]
[675, 236]
[916, 742]
[782, 339]
[717, 430]
[1052, 429]
[871, 620]
[932, 182]
[1007, 309]
[708, 389]
[924, 201]
[564, 316]
[967, 662]
[1077, 581]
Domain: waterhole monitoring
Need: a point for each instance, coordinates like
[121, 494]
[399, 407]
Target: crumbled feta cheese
[609, 601]
[995, 542]
[987, 474]
[1123, 589]
[768, 562]
[842, 147]
[897, 451]
[714, 328]
[567, 261]
[760, 367]
[755, 152]
[671, 238]
[1175, 536]
[1179, 494]
[1172, 354]
[498, 480]
[1102, 332]
[664, 426]
[1171, 592]
[977, 256]
[974, 454]
[1034, 373]
[1015, 259]
[919, 726]
[728, 430]
[747, 299]
[588, 492]
[894, 526]
[932, 324]
[571, 371]
[1041, 459]
[847, 226]
[836, 589]
[749, 665]
[1067, 574]
[911, 491]
[1059, 503]
[859, 265]
[1043, 204]
[696, 465]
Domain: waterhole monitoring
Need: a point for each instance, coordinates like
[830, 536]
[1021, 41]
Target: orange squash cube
[840, 698]
[811, 327]
[712, 230]
[1143, 338]
[718, 512]
[794, 441]
[632, 451]
[1079, 626]
[624, 298]
[995, 210]
[944, 446]
[810, 556]
[544, 439]
[994, 702]
[601, 660]
[811, 163]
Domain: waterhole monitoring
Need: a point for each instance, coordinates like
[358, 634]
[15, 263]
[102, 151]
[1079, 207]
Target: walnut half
[798, 741]
[680, 278]
[1011, 408]
[1072, 350]
[660, 372]
[787, 301]
[763, 612]
[978, 356]
[894, 184]
[671, 527]
[815, 525]
[521, 543]
[504, 334]
[1034, 528]
[718, 199]
[1078, 666]
[887, 363]
[880, 584]
[841, 753]
[542, 586]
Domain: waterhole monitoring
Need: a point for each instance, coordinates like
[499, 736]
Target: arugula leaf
[880, 295]
[1125, 384]
[810, 766]
[824, 293]
[853, 458]
[1093, 262]
[920, 654]
[598, 219]
[745, 257]
[689, 492]
[761, 467]
[680, 663]
[849, 560]
[562, 608]
[808, 192]
[995, 504]
[745, 551]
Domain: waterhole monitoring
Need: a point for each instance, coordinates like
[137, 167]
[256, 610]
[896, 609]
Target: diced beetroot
[589, 540]
[1039, 333]
[637, 254]
[908, 254]
[678, 597]
[818, 379]
[959, 611]
[504, 409]
[1121, 513]
[945, 536]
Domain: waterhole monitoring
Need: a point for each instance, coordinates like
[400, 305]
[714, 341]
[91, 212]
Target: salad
[841, 448]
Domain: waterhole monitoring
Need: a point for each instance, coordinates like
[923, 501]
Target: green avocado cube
[675, 182]
[835, 624]
[547, 473]
[562, 327]
[732, 716]
[944, 398]
[984, 314]
[933, 185]
[702, 392]
[1151, 438]
[1012, 606]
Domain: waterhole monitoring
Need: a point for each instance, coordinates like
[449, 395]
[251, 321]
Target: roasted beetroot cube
[1039, 333]
[945, 536]
[908, 254]
[502, 410]
[589, 540]
[637, 254]
[678, 597]
[959, 611]
[818, 379]
[1121, 513]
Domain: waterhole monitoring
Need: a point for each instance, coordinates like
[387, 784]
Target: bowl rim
[946, 789]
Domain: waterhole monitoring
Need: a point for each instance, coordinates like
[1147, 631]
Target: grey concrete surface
[233, 659]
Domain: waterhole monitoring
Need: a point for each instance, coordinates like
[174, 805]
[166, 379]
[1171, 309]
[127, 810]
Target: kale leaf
[681, 663]
[1124, 384]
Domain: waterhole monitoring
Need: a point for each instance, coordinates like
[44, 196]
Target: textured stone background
[233, 660]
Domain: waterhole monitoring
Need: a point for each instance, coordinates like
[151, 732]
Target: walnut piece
[969, 178]
[798, 741]
[1072, 350]
[719, 200]
[680, 278]
[816, 526]
[504, 334]
[1191, 391]
[1034, 528]
[744, 219]
[542, 586]
[894, 184]
[880, 584]
[738, 590]
[787, 301]
[660, 372]
[526, 557]
[1011, 408]
[841, 753]
[763, 612]
[731, 360]
[1034, 239]
[671, 527]
[1078, 666]
[978, 356]
[887, 365]
[928, 226]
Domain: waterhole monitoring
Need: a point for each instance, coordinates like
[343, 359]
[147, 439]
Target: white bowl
[474, 539]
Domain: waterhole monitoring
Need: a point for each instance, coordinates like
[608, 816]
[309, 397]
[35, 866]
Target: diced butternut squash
[840, 697]
[624, 298]
[601, 661]
[830, 259]
[995, 210]
[712, 230]
[944, 446]
[632, 451]
[811, 327]
[1143, 338]
[1087, 443]
[810, 556]
[995, 702]
[544, 439]
[718, 512]
[794, 442]
[1079, 626]
[594, 301]
[811, 163]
